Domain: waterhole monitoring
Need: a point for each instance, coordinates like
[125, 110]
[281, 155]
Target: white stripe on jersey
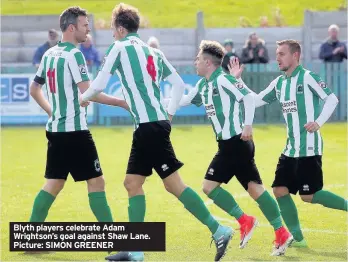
[139, 105]
[213, 118]
[226, 105]
[319, 143]
[236, 118]
[148, 81]
[282, 99]
[295, 117]
[308, 95]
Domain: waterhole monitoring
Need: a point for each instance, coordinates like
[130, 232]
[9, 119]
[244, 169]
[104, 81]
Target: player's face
[82, 29]
[285, 58]
[201, 64]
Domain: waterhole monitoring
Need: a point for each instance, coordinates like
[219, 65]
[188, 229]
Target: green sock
[100, 207]
[226, 202]
[195, 205]
[288, 211]
[270, 210]
[137, 208]
[42, 204]
[328, 199]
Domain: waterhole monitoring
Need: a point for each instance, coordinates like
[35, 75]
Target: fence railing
[256, 76]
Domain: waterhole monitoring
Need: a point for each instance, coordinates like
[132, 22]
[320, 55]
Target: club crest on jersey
[322, 84]
[278, 94]
[239, 85]
[300, 89]
[215, 91]
[83, 69]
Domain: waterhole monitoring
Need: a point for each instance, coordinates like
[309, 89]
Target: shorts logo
[322, 84]
[83, 69]
[211, 171]
[305, 187]
[164, 167]
[97, 165]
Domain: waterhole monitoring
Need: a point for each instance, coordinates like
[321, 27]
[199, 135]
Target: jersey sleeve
[78, 67]
[317, 85]
[168, 69]
[112, 59]
[193, 97]
[40, 74]
[233, 85]
[269, 94]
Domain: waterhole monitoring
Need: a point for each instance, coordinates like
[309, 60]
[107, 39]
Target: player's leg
[57, 170]
[85, 166]
[284, 184]
[249, 177]
[195, 205]
[311, 184]
[45, 198]
[136, 195]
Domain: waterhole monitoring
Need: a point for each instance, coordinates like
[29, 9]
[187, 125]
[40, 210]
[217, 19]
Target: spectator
[153, 42]
[90, 53]
[254, 51]
[333, 50]
[52, 41]
[230, 53]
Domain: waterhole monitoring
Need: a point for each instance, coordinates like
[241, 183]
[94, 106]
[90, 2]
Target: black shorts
[151, 148]
[235, 157]
[303, 174]
[74, 153]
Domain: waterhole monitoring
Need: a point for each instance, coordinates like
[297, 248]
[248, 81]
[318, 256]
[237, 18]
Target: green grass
[163, 14]
[23, 163]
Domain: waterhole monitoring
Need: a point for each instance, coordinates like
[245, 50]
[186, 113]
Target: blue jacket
[327, 48]
[91, 55]
[40, 52]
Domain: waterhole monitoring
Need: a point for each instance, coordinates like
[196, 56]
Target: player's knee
[307, 198]
[280, 191]
[54, 186]
[96, 184]
[207, 189]
[131, 184]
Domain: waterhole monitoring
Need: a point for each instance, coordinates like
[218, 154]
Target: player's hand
[170, 117]
[83, 103]
[312, 127]
[247, 133]
[336, 50]
[261, 52]
[235, 68]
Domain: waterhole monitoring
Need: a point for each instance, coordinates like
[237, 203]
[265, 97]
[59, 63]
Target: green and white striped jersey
[299, 96]
[221, 97]
[62, 67]
[141, 70]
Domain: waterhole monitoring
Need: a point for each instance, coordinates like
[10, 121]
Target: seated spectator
[52, 41]
[230, 53]
[333, 50]
[90, 53]
[254, 51]
[153, 42]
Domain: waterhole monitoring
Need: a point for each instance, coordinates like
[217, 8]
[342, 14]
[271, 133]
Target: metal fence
[256, 76]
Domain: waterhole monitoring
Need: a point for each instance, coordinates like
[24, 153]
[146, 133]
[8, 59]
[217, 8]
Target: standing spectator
[153, 42]
[52, 41]
[90, 53]
[333, 50]
[230, 54]
[254, 51]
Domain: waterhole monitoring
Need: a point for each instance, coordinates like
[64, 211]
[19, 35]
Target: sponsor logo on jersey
[83, 69]
[210, 110]
[289, 107]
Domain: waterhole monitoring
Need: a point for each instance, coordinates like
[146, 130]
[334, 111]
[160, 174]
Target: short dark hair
[214, 49]
[69, 17]
[293, 45]
[126, 16]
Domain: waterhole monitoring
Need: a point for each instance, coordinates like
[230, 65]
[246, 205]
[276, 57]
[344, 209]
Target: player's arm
[178, 86]
[236, 70]
[78, 69]
[320, 89]
[36, 90]
[241, 94]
